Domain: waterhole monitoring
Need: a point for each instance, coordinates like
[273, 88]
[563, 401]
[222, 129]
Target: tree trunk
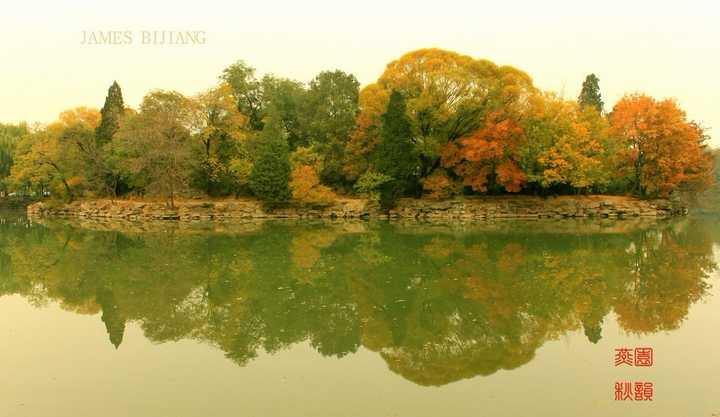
[68, 190]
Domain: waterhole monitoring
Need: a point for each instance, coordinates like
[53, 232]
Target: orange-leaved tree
[663, 150]
[448, 97]
[488, 155]
[373, 101]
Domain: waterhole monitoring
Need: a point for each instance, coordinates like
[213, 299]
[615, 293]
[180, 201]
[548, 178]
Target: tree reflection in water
[437, 303]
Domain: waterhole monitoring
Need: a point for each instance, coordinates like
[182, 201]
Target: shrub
[370, 184]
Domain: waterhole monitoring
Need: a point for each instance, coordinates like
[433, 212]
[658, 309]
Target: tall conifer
[110, 115]
[590, 94]
[395, 155]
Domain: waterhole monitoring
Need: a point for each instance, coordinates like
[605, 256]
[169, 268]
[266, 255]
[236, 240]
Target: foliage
[331, 106]
[287, 98]
[373, 101]
[370, 183]
[110, 115]
[219, 130]
[156, 144]
[488, 156]
[663, 150]
[710, 201]
[247, 90]
[269, 178]
[590, 93]
[10, 135]
[37, 167]
[306, 187]
[566, 146]
[395, 155]
[439, 185]
[57, 158]
[434, 122]
[450, 95]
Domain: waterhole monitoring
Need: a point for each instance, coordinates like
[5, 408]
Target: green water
[356, 319]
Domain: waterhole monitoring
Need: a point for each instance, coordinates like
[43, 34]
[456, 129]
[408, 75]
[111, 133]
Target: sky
[661, 48]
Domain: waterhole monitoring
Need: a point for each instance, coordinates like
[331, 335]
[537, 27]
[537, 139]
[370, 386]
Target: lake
[304, 318]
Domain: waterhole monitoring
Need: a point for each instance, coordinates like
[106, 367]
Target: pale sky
[662, 48]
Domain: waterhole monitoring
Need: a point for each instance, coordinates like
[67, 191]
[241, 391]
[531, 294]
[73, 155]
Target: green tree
[270, 175]
[287, 96]
[110, 114]
[248, 92]
[9, 136]
[108, 178]
[590, 93]
[395, 155]
[330, 110]
[370, 183]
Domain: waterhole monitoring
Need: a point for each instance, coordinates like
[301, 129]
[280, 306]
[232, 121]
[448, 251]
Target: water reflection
[438, 304]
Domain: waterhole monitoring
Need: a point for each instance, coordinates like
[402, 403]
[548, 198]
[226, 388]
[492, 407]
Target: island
[438, 135]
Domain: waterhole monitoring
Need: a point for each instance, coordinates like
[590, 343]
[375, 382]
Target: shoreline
[458, 209]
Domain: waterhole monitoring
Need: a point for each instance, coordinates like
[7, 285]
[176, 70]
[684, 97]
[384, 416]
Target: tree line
[435, 124]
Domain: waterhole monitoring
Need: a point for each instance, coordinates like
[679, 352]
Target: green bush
[370, 184]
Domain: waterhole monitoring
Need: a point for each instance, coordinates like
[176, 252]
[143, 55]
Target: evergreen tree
[270, 175]
[395, 155]
[110, 115]
[590, 94]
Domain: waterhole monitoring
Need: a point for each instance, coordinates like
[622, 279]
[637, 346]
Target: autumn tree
[78, 135]
[567, 147]
[221, 160]
[395, 155]
[488, 157]
[663, 150]
[32, 168]
[53, 157]
[156, 144]
[305, 181]
[584, 158]
[450, 96]
[270, 175]
[40, 165]
[441, 185]
[590, 93]
[372, 103]
[306, 187]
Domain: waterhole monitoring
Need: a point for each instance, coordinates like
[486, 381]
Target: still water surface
[357, 319]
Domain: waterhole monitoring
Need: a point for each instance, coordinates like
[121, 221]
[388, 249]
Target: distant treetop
[590, 94]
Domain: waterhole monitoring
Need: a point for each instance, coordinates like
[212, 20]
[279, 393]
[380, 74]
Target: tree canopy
[435, 123]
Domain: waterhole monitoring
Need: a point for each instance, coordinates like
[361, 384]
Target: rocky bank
[466, 208]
